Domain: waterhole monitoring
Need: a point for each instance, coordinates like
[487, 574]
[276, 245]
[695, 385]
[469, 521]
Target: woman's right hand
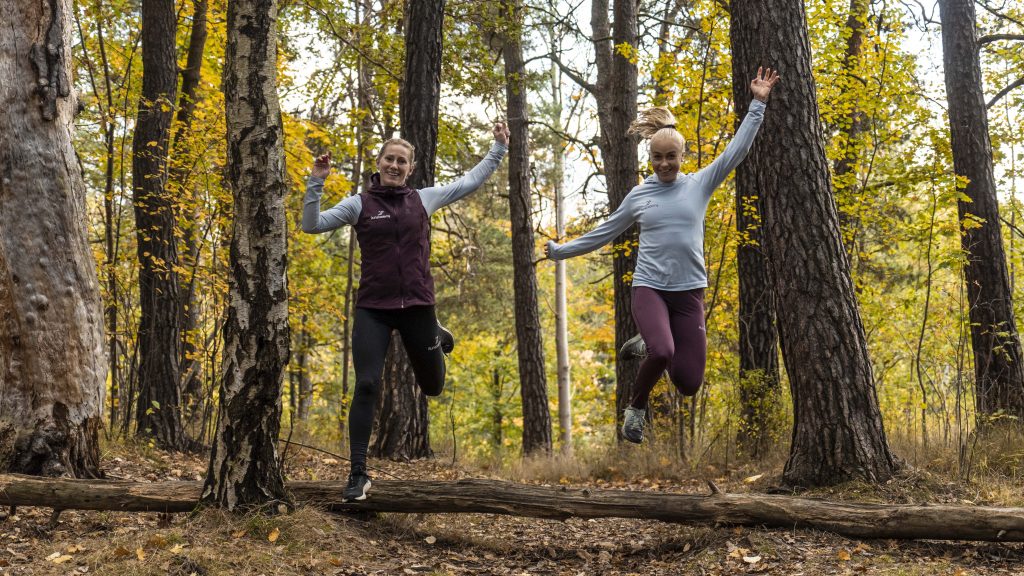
[322, 167]
[547, 248]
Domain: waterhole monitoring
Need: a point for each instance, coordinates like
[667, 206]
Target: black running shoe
[447, 339]
[358, 486]
[633, 348]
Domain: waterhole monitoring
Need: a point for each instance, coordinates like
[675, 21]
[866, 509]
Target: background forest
[879, 84]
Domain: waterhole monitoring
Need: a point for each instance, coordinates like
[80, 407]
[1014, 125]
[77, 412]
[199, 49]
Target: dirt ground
[311, 541]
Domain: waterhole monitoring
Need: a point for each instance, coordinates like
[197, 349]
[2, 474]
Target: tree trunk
[615, 93]
[158, 410]
[244, 467]
[401, 401]
[191, 366]
[997, 351]
[52, 363]
[561, 306]
[402, 422]
[758, 339]
[852, 127]
[856, 520]
[837, 433]
[529, 344]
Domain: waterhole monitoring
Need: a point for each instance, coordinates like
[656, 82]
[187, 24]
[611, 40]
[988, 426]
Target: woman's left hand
[501, 133]
[761, 86]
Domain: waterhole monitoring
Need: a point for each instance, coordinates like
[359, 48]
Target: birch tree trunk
[52, 362]
[244, 467]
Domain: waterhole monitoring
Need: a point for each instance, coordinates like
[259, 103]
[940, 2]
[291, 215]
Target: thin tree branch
[1005, 91]
[996, 37]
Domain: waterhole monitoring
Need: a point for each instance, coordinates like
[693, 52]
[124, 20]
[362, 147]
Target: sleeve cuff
[755, 103]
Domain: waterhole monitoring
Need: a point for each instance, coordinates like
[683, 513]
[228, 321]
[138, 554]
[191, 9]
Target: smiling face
[666, 154]
[394, 164]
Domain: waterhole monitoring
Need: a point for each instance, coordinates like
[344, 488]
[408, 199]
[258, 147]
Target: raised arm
[605, 232]
[345, 212]
[716, 172]
[436, 197]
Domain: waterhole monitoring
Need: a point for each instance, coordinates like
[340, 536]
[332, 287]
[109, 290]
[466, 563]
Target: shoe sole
[361, 497]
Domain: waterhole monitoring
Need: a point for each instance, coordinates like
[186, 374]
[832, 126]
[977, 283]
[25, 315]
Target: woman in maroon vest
[396, 289]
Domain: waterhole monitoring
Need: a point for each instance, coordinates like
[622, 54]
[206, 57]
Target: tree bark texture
[401, 431]
[853, 126]
[857, 520]
[402, 423]
[999, 385]
[190, 366]
[615, 93]
[52, 361]
[244, 467]
[758, 339]
[158, 409]
[837, 433]
[533, 384]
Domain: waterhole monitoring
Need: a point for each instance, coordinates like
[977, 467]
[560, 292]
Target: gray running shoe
[635, 347]
[633, 424]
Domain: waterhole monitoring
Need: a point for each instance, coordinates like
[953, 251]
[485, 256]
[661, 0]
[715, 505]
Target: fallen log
[858, 520]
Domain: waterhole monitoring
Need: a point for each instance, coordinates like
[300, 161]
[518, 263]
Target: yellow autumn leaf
[843, 555]
[61, 559]
[177, 548]
[274, 535]
[752, 479]
[238, 533]
[122, 552]
[140, 553]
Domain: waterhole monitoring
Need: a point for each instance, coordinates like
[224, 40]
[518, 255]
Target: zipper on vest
[398, 259]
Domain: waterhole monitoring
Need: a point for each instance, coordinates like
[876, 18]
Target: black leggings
[371, 337]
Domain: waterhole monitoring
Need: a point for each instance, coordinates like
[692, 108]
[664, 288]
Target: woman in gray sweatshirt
[669, 279]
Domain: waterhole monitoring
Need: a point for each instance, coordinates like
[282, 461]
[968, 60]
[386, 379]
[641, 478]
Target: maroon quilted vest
[394, 237]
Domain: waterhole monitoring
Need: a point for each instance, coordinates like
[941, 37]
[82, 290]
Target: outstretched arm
[716, 172]
[436, 197]
[345, 212]
[605, 232]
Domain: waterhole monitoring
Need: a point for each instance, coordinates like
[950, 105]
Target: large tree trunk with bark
[402, 423]
[932, 522]
[529, 344]
[999, 385]
[158, 409]
[837, 433]
[615, 93]
[244, 467]
[52, 363]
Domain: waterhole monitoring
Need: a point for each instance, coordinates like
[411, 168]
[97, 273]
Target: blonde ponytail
[652, 120]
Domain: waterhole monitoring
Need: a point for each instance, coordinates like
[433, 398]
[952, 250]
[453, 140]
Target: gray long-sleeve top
[671, 217]
[434, 198]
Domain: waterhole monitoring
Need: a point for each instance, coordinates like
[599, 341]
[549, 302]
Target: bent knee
[686, 384]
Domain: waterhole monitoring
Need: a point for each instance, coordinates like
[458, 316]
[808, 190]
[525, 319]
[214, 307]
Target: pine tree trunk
[244, 467]
[533, 385]
[616, 108]
[997, 351]
[758, 340]
[402, 421]
[838, 433]
[191, 367]
[52, 363]
[397, 404]
[158, 409]
[852, 126]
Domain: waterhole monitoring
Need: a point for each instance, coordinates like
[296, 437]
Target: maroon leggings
[672, 326]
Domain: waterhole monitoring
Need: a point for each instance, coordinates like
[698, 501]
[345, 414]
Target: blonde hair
[653, 120]
[398, 142]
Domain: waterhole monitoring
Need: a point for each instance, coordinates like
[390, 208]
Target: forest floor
[311, 541]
